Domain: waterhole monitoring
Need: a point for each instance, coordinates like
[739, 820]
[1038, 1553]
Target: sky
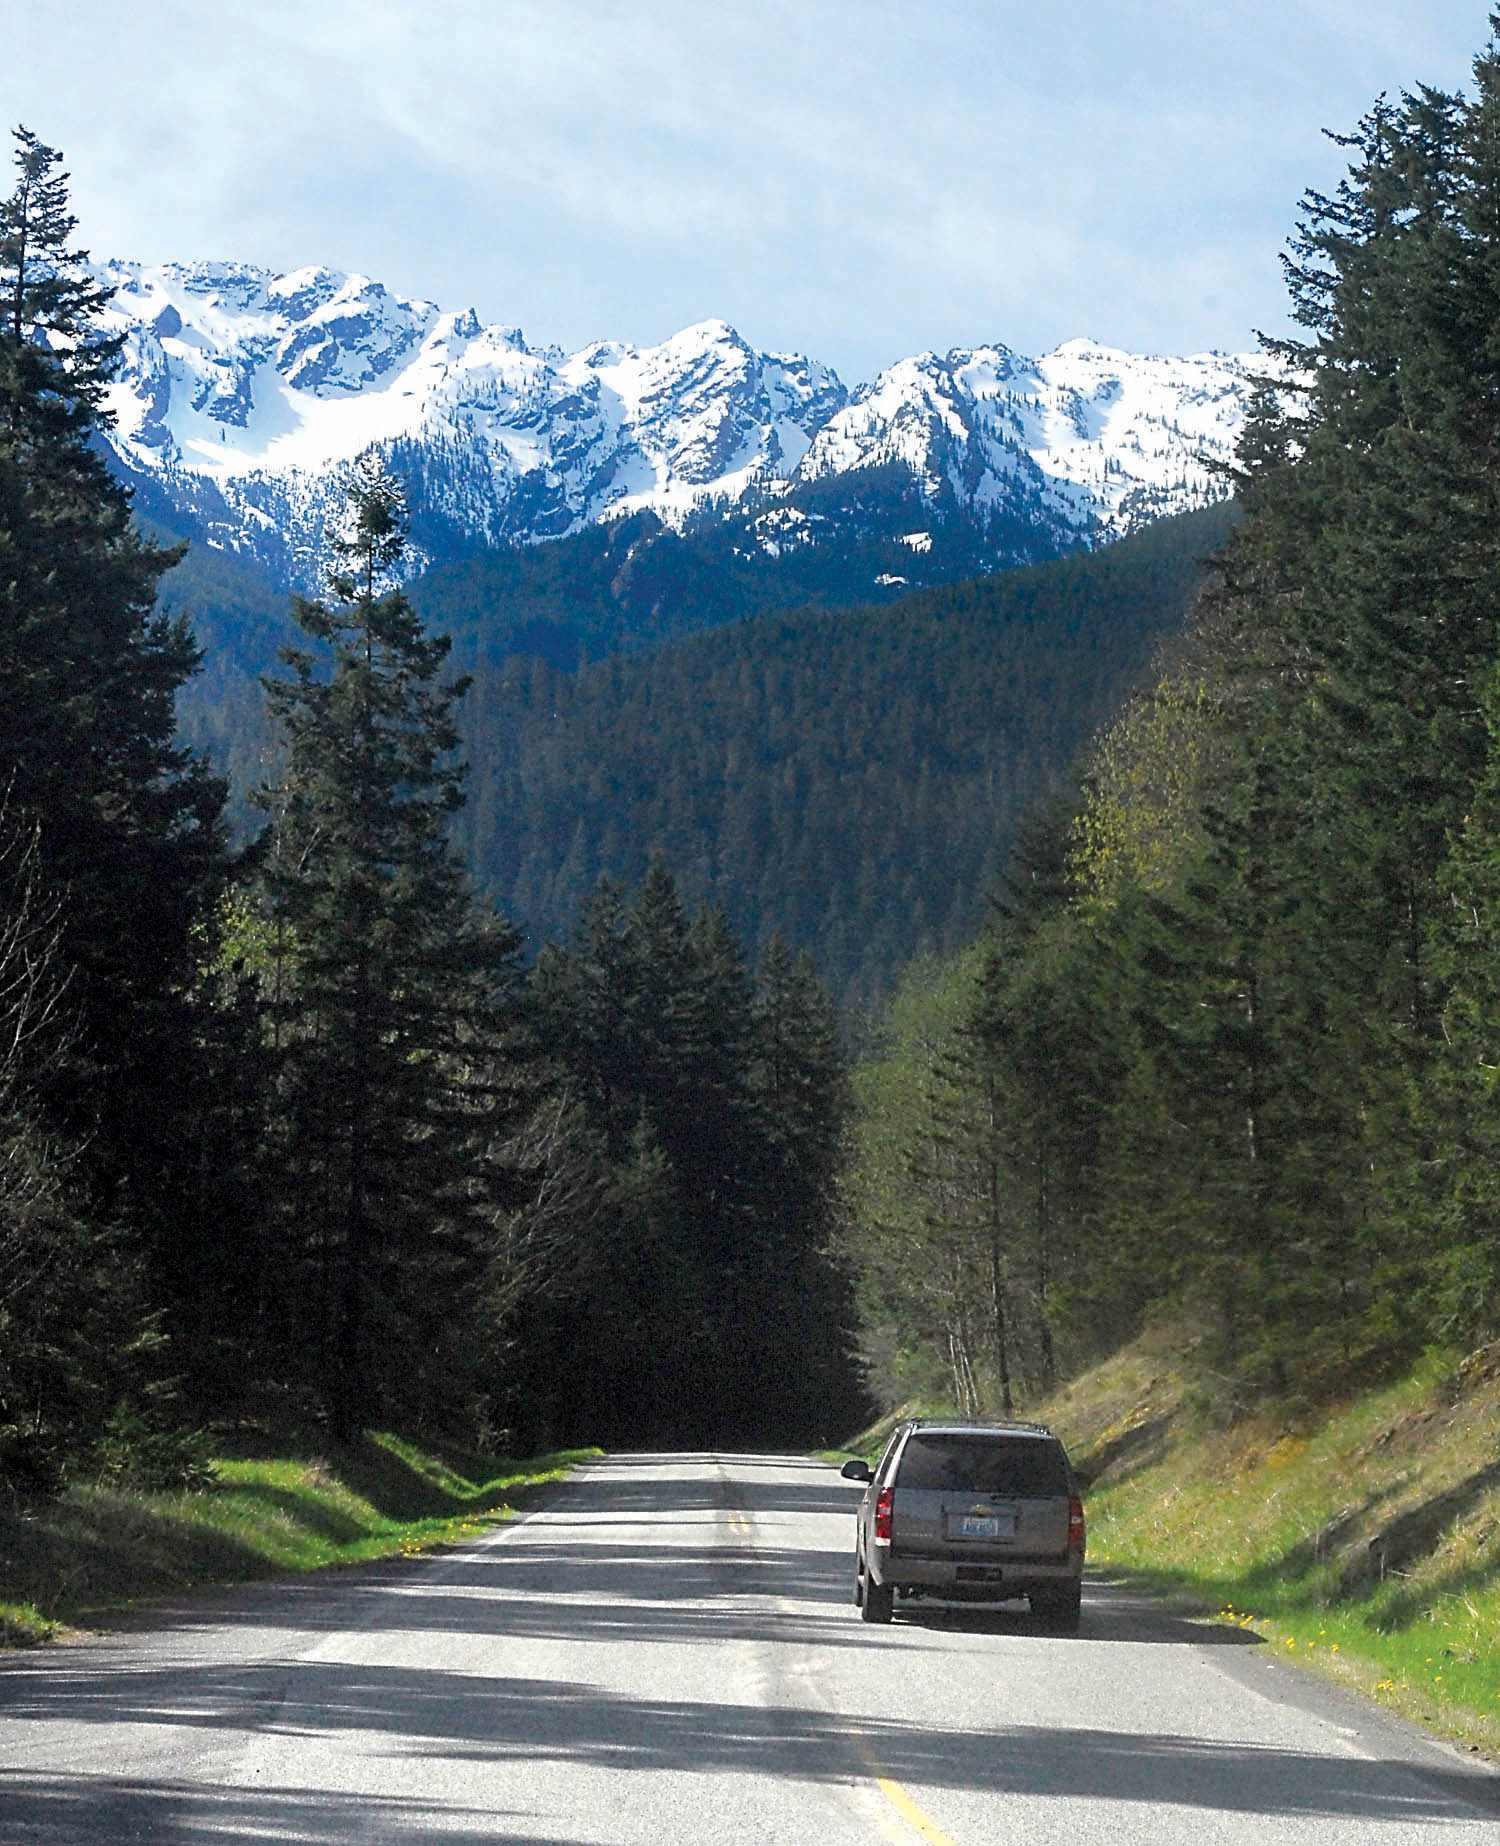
[851, 179]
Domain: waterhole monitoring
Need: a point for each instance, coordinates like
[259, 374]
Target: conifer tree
[128, 842]
[1452, 1276]
[709, 1310]
[57, 361]
[1285, 948]
[922, 1205]
[88, 671]
[393, 994]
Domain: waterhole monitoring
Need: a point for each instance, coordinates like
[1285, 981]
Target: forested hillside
[636, 582]
[849, 781]
[845, 777]
[1230, 1046]
[627, 586]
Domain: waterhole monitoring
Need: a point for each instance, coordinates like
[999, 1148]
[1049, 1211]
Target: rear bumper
[973, 1580]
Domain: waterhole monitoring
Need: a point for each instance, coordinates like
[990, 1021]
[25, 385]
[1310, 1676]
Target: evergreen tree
[1284, 925]
[392, 994]
[709, 1310]
[804, 1319]
[126, 823]
[849, 782]
[1452, 1278]
[88, 675]
[1367, 581]
[922, 1206]
[57, 363]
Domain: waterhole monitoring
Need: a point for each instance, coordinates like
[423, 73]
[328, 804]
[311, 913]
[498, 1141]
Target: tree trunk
[1047, 1353]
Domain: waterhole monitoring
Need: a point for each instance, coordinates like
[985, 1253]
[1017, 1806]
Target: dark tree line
[1232, 1043]
[844, 774]
[287, 1134]
[713, 1101]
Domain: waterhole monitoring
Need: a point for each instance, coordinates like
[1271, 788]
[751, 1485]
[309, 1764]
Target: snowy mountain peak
[1099, 436]
[245, 395]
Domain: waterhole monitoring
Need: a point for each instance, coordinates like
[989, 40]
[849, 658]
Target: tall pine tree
[88, 670]
[128, 849]
[391, 995]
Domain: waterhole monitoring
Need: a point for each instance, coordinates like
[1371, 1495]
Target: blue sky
[857, 181]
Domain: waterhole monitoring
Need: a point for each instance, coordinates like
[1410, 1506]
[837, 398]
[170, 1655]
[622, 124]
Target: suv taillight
[1075, 1524]
[884, 1502]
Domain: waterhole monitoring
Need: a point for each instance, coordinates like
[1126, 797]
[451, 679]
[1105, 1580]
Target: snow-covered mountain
[1102, 436]
[244, 395]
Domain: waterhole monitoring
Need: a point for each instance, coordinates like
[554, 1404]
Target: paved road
[668, 1655]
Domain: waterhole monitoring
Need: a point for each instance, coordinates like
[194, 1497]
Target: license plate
[975, 1525]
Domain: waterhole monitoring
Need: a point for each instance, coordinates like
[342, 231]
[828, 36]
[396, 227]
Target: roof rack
[1019, 1424]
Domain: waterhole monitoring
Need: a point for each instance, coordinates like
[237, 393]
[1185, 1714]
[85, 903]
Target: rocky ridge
[244, 395]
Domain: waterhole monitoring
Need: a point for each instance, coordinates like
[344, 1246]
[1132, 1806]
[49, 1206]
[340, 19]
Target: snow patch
[265, 388]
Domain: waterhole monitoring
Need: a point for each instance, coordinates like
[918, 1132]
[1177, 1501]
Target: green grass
[97, 1548]
[22, 1626]
[1363, 1540]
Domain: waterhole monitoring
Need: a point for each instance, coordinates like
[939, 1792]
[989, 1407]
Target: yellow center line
[902, 1802]
[920, 1822]
[911, 1813]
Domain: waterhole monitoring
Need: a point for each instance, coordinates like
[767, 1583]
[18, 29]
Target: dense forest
[625, 586]
[1229, 1044]
[849, 781]
[845, 775]
[842, 772]
[289, 1137]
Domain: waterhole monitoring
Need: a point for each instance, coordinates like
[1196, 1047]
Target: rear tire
[859, 1581]
[1059, 1609]
[879, 1600]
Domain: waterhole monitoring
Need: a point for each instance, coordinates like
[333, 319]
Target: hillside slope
[271, 1506]
[848, 780]
[1361, 1538]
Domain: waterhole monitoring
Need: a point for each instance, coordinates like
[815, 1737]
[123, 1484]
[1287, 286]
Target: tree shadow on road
[71, 1810]
[471, 1717]
[552, 1579]
[605, 1561]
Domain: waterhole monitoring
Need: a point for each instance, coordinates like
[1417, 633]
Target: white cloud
[855, 179]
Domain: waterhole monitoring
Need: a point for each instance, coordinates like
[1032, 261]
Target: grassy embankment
[1362, 1539]
[96, 1548]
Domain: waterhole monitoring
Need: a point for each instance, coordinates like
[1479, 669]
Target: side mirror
[856, 1470]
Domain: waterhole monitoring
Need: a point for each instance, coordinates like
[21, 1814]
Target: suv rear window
[1029, 1468]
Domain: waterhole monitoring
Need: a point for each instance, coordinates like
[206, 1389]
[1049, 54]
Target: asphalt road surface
[668, 1654]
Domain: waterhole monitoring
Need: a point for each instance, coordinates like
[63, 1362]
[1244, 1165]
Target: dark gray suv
[970, 1512]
